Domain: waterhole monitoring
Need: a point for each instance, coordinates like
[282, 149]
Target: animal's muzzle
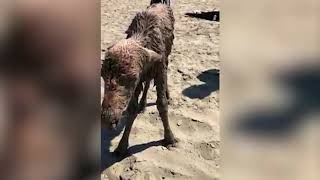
[108, 119]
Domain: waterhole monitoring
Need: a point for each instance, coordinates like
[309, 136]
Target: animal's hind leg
[168, 95]
[167, 87]
[138, 89]
[143, 101]
[162, 105]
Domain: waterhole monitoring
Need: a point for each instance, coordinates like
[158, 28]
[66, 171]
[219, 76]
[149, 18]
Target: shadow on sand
[211, 80]
[304, 84]
[108, 158]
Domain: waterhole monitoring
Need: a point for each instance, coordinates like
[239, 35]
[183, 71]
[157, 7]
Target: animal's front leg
[162, 105]
[132, 114]
[124, 142]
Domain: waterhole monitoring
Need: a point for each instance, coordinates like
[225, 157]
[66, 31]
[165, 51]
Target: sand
[194, 110]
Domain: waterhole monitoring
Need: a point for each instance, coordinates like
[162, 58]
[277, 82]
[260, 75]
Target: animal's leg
[167, 88]
[168, 95]
[132, 114]
[162, 105]
[124, 142]
[138, 89]
[143, 101]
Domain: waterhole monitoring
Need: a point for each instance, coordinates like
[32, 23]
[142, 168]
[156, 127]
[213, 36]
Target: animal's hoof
[171, 143]
[121, 151]
[142, 108]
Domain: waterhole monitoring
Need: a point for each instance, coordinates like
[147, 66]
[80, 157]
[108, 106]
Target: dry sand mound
[194, 111]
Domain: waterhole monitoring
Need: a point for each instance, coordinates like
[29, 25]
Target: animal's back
[154, 28]
[166, 22]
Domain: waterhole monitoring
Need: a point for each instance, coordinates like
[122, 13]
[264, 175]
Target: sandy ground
[194, 111]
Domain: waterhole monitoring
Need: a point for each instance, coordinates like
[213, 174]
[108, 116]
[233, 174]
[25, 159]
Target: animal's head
[121, 70]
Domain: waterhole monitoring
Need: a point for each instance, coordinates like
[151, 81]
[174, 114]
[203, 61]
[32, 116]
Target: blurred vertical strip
[270, 86]
[49, 89]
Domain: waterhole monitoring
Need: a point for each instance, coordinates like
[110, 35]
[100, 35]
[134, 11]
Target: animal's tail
[167, 2]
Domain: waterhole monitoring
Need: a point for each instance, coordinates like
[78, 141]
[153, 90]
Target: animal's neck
[139, 38]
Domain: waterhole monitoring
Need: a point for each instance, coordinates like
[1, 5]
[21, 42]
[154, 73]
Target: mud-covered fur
[132, 63]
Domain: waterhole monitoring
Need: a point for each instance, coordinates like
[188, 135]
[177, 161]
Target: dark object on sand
[211, 15]
[160, 1]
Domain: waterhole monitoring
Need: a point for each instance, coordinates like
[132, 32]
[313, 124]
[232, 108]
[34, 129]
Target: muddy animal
[131, 64]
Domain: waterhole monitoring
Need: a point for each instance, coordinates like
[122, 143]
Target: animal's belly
[148, 75]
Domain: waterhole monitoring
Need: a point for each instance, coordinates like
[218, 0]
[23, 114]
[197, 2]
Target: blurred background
[50, 71]
[269, 86]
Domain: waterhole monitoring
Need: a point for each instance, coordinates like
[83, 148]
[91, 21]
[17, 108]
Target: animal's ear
[152, 56]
